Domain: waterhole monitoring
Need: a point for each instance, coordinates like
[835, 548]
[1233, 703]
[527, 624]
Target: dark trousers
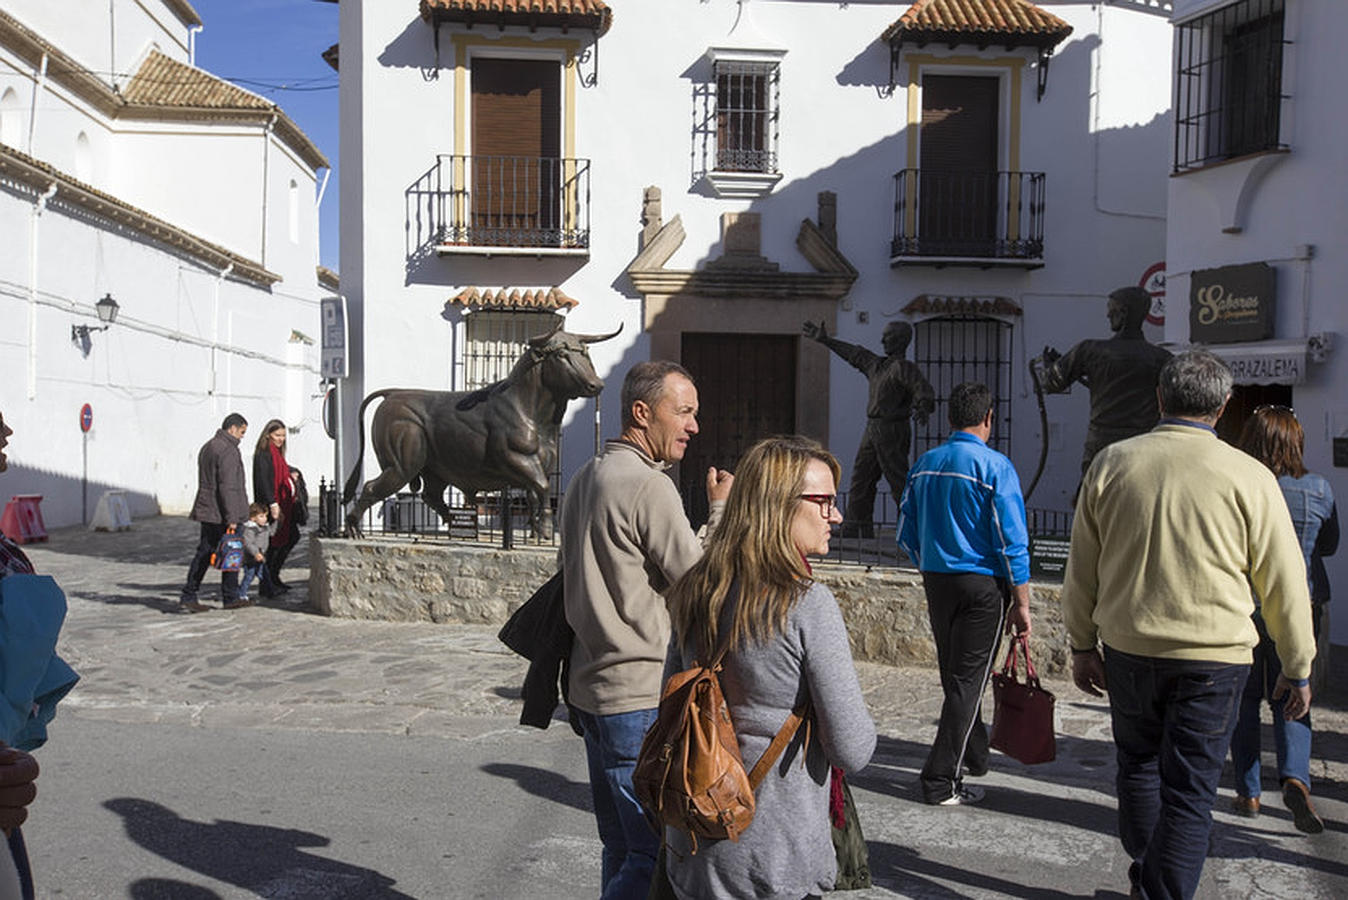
[967, 613]
[1172, 723]
[276, 555]
[211, 533]
[883, 451]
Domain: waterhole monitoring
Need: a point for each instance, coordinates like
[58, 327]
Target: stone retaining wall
[885, 608]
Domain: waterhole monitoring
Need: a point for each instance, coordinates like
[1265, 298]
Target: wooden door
[957, 175]
[746, 385]
[516, 149]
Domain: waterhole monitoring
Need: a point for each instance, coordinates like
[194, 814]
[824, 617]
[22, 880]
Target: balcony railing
[523, 202]
[949, 217]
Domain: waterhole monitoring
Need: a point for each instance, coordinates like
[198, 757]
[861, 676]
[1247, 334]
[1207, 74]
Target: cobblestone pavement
[1042, 831]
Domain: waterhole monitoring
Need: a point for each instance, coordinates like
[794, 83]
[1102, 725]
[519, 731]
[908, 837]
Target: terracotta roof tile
[1019, 20]
[162, 81]
[933, 305]
[562, 13]
[513, 298]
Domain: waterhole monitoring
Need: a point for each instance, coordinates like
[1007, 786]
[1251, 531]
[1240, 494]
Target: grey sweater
[787, 851]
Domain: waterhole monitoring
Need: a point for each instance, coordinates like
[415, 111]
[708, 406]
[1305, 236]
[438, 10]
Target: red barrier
[22, 519]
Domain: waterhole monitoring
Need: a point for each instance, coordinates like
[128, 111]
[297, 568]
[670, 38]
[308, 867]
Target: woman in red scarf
[274, 488]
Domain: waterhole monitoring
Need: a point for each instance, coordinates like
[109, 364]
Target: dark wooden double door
[746, 391]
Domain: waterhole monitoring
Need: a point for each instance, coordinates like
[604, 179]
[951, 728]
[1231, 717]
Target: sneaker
[1246, 806]
[963, 796]
[192, 606]
[238, 604]
[1297, 798]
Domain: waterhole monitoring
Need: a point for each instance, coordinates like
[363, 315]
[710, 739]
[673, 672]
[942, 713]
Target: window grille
[953, 349]
[496, 339]
[747, 99]
[1228, 84]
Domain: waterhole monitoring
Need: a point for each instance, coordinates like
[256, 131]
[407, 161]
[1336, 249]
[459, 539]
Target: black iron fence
[990, 215]
[502, 201]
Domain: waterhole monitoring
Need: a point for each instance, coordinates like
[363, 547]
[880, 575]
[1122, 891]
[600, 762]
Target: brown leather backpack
[689, 774]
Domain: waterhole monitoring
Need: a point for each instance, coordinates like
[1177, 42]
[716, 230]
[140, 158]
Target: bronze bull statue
[504, 435]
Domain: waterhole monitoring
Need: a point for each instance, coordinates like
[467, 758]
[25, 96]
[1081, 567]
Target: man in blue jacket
[962, 520]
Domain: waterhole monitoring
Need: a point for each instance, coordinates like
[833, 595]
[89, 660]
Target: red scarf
[282, 489]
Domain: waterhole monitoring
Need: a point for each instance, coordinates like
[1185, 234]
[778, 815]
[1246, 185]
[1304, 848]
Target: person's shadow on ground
[262, 859]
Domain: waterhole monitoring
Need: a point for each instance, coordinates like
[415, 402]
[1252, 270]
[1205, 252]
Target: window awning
[1006, 23]
[592, 14]
[941, 305]
[1270, 362]
[512, 298]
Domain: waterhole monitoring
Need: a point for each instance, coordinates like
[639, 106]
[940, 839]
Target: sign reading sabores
[1232, 304]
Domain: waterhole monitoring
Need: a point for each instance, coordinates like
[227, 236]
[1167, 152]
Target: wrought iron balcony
[502, 204]
[968, 218]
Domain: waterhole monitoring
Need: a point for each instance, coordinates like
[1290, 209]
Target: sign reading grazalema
[1232, 304]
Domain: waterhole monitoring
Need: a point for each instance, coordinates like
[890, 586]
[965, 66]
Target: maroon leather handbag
[1022, 718]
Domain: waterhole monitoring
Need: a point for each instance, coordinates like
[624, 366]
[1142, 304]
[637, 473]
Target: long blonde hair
[751, 551]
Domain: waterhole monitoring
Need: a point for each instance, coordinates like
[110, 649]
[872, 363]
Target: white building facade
[710, 174]
[1258, 215]
[128, 173]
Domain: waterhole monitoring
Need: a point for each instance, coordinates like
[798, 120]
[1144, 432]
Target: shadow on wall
[64, 497]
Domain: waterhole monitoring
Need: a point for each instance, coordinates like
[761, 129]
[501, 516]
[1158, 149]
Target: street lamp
[107, 309]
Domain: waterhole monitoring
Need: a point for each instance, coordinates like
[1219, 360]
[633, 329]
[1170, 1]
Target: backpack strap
[779, 742]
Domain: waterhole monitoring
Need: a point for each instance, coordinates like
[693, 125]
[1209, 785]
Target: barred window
[1228, 85]
[496, 339]
[746, 116]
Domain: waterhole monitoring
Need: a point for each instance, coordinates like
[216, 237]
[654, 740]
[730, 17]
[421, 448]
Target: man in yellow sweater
[1173, 529]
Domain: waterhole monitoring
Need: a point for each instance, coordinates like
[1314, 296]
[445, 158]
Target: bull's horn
[542, 339]
[596, 338]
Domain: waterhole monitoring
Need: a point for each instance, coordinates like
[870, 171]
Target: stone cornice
[832, 281]
[21, 169]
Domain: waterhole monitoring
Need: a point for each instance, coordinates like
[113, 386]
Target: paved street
[269, 752]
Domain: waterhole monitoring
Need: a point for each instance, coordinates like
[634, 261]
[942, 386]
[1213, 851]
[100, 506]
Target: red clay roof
[539, 298]
[970, 21]
[593, 14]
[162, 81]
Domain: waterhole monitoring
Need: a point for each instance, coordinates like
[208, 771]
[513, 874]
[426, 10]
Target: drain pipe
[38, 87]
[266, 175]
[215, 333]
[39, 204]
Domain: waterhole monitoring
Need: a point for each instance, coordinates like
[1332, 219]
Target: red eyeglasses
[827, 503]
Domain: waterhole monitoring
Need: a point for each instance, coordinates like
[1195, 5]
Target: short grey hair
[646, 382]
[1194, 384]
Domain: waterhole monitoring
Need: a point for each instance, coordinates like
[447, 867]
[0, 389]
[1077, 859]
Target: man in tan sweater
[1173, 529]
[625, 540]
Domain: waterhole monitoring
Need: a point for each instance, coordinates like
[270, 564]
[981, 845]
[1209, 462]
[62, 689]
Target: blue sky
[273, 47]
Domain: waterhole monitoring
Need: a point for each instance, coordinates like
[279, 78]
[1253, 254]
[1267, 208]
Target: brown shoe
[1297, 798]
[1246, 806]
[193, 606]
[238, 604]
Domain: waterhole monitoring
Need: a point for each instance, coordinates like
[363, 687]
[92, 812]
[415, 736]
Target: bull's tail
[349, 491]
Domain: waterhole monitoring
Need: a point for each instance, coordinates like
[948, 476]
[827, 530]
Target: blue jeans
[1291, 740]
[250, 571]
[1172, 723]
[630, 843]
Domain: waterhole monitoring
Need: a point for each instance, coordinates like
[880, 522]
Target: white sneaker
[963, 796]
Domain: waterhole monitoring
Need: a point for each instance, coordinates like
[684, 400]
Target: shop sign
[1232, 304]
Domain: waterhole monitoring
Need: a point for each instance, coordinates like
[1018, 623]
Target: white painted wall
[1300, 201]
[1101, 133]
[189, 346]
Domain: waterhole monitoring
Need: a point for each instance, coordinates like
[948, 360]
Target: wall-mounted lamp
[107, 314]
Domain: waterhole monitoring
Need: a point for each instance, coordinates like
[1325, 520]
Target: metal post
[84, 484]
[337, 481]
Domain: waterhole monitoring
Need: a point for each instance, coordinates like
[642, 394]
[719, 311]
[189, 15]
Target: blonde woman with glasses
[753, 592]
